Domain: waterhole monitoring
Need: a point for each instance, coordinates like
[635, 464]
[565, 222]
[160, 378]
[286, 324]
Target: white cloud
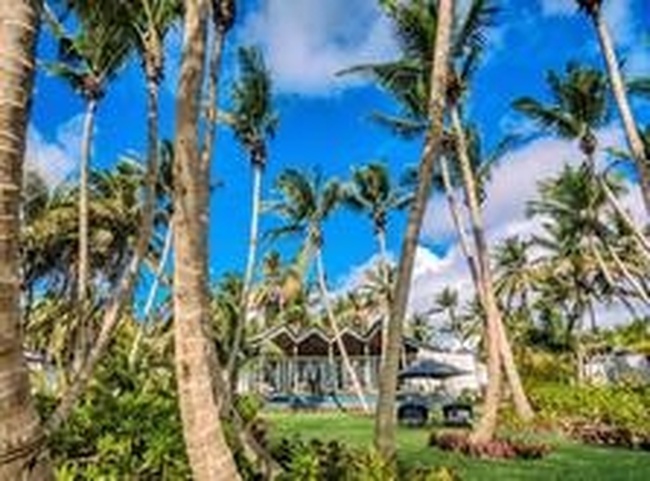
[558, 7]
[55, 159]
[308, 41]
[514, 183]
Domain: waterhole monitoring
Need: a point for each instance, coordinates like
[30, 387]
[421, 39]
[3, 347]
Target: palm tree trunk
[454, 210]
[153, 292]
[636, 285]
[209, 455]
[248, 278]
[84, 335]
[487, 424]
[495, 326]
[385, 278]
[620, 95]
[21, 433]
[124, 289]
[325, 299]
[629, 222]
[385, 421]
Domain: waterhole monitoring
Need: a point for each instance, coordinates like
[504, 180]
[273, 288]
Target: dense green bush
[126, 427]
[610, 414]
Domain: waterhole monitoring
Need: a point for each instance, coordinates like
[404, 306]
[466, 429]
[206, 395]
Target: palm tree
[515, 275]
[196, 360]
[253, 120]
[20, 428]
[407, 79]
[437, 45]
[306, 203]
[371, 192]
[593, 9]
[578, 106]
[89, 60]
[580, 246]
[447, 301]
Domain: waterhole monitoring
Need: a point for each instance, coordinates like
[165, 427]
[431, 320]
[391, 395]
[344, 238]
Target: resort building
[308, 361]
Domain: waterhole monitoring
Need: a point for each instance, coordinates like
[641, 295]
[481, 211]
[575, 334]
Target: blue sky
[324, 119]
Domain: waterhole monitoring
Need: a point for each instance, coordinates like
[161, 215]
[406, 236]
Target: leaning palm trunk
[487, 425]
[248, 278]
[124, 290]
[522, 405]
[385, 421]
[627, 275]
[84, 331]
[195, 357]
[345, 358]
[620, 95]
[153, 293]
[629, 222]
[21, 434]
[454, 210]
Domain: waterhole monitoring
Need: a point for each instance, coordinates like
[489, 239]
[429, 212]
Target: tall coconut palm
[372, 193]
[253, 120]
[577, 108]
[20, 428]
[438, 46]
[594, 10]
[409, 74]
[89, 60]
[195, 356]
[305, 204]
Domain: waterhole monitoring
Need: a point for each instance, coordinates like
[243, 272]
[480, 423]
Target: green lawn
[567, 462]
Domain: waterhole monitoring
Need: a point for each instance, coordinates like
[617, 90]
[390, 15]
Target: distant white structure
[616, 366]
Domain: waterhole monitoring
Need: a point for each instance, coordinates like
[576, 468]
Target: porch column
[331, 372]
[294, 380]
[367, 367]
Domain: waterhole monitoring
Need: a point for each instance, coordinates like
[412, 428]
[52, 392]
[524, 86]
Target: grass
[568, 462]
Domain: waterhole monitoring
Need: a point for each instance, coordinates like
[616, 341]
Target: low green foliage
[625, 406]
[569, 461]
[127, 426]
[333, 460]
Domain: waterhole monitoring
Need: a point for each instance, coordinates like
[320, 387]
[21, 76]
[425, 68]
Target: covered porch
[309, 361]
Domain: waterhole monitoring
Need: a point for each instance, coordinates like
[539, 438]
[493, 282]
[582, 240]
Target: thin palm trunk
[153, 293]
[454, 210]
[385, 422]
[345, 358]
[21, 433]
[383, 267]
[636, 285]
[248, 278]
[487, 424]
[485, 284]
[629, 222]
[124, 290]
[580, 349]
[84, 334]
[620, 95]
[209, 455]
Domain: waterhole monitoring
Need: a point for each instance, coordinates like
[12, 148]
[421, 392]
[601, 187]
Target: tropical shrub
[617, 415]
[126, 427]
[496, 448]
